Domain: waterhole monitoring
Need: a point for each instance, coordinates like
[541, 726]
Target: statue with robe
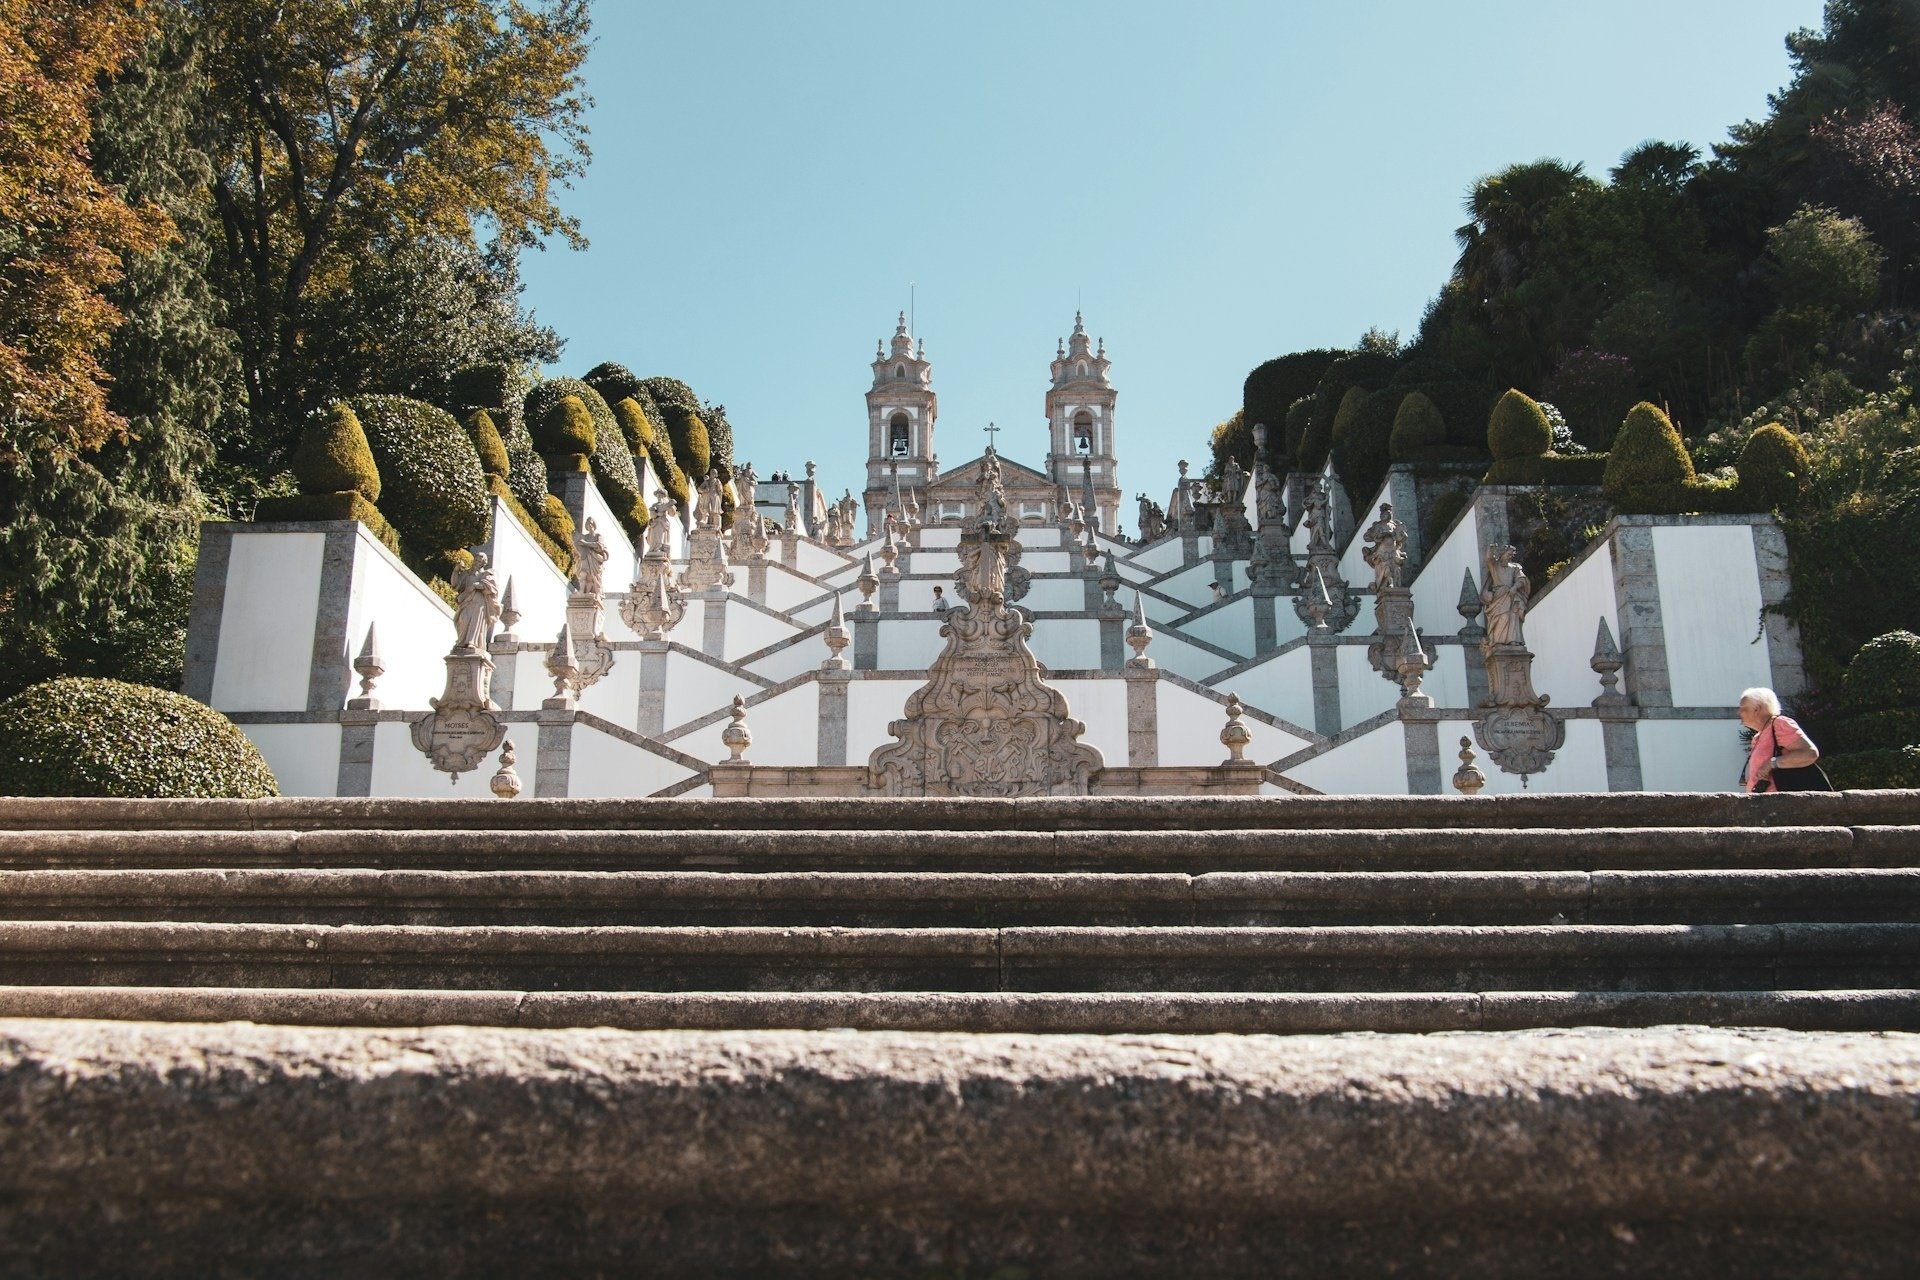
[1504, 597]
[660, 518]
[589, 559]
[478, 605]
[707, 512]
[1386, 550]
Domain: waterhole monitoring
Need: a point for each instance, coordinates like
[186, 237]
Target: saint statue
[707, 512]
[660, 518]
[1386, 550]
[1504, 597]
[993, 499]
[478, 607]
[1270, 496]
[794, 527]
[1319, 537]
[589, 559]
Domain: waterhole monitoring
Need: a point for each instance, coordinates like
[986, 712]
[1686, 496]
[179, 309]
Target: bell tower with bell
[901, 409]
[1080, 451]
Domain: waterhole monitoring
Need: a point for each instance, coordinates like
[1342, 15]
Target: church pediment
[1013, 476]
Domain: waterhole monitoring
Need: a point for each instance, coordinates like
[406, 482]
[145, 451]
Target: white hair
[1763, 697]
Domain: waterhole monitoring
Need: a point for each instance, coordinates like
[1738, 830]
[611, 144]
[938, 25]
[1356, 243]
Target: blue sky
[1217, 183]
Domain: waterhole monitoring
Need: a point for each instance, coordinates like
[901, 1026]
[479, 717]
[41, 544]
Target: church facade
[1078, 476]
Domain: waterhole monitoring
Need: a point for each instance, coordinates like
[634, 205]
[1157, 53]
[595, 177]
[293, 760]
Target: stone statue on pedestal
[660, 518]
[589, 559]
[478, 608]
[1386, 551]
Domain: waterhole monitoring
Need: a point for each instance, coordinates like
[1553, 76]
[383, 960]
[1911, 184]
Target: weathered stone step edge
[1388, 849]
[1040, 1013]
[1062, 813]
[357, 896]
[167, 942]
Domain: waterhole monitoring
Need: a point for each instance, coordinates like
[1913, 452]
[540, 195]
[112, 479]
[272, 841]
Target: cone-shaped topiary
[566, 431]
[649, 443]
[1361, 455]
[79, 736]
[488, 444]
[1648, 469]
[1773, 469]
[1417, 425]
[614, 382]
[1518, 428]
[691, 448]
[333, 456]
[434, 492]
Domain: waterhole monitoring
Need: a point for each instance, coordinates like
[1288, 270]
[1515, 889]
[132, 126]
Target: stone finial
[1606, 664]
[563, 667]
[505, 783]
[371, 667]
[736, 736]
[1412, 664]
[811, 469]
[837, 637]
[1235, 736]
[509, 615]
[1469, 605]
[1468, 779]
[868, 582]
[1139, 636]
[1109, 582]
[889, 554]
[1090, 549]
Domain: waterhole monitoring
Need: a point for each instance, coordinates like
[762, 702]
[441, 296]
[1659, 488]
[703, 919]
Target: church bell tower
[1080, 452]
[901, 409]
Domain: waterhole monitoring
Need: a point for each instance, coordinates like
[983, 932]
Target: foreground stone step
[1108, 813]
[1027, 1012]
[1200, 958]
[1185, 851]
[903, 899]
[186, 1150]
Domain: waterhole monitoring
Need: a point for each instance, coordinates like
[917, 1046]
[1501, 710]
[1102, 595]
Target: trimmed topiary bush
[647, 442]
[1363, 451]
[1649, 471]
[615, 382]
[1417, 426]
[566, 434]
[691, 447]
[1884, 675]
[1518, 428]
[501, 390]
[1773, 469]
[333, 456]
[488, 445]
[1875, 743]
[1367, 369]
[79, 736]
[612, 465]
[1274, 387]
[434, 493]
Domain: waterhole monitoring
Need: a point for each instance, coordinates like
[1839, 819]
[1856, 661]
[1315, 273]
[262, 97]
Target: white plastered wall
[1281, 685]
[750, 631]
[1579, 765]
[695, 688]
[1436, 592]
[1364, 692]
[1102, 706]
[1561, 631]
[267, 622]
[871, 706]
[1066, 644]
[1375, 763]
[415, 626]
[1710, 608]
[1230, 626]
[614, 696]
[305, 758]
[1353, 563]
[908, 644]
[790, 660]
[1690, 755]
[785, 728]
[402, 769]
[539, 588]
[1190, 725]
[1161, 556]
[603, 765]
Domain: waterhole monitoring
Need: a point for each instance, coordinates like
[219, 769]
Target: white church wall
[1579, 765]
[1102, 706]
[1230, 626]
[1190, 725]
[415, 626]
[1436, 591]
[1281, 685]
[1690, 755]
[750, 631]
[1446, 683]
[603, 765]
[539, 588]
[1364, 692]
[305, 758]
[1375, 763]
[693, 689]
[871, 706]
[1181, 656]
[785, 728]
[1710, 608]
[1066, 644]
[790, 660]
[402, 769]
[614, 696]
[531, 683]
[1161, 557]
[907, 644]
[1050, 595]
[1194, 585]
[267, 621]
[1044, 561]
[812, 558]
[1561, 630]
[940, 536]
[785, 590]
[620, 558]
[1160, 611]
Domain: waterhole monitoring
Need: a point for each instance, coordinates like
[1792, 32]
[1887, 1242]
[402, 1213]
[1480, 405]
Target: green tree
[347, 125]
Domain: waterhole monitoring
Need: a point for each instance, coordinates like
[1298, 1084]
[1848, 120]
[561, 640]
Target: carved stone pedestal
[462, 730]
[655, 603]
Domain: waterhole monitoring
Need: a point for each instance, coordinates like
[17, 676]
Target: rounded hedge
[566, 430]
[435, 493]
[333, 456]
[612, 464]
[488, 444]
[1299, 419]
[1648, 468]
[691, 447]
[1417, 425]
[501, 390]
[1363, 452]
[1885, 674]
[615, 382]
[1518, 428]
[82, 736]
[1883, 769]
[1270, 391]
[1773, 469]
[648, 443]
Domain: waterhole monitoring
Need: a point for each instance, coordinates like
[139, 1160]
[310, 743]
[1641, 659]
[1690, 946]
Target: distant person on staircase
[1779, 744]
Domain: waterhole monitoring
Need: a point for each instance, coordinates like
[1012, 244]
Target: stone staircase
[1309, 914]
